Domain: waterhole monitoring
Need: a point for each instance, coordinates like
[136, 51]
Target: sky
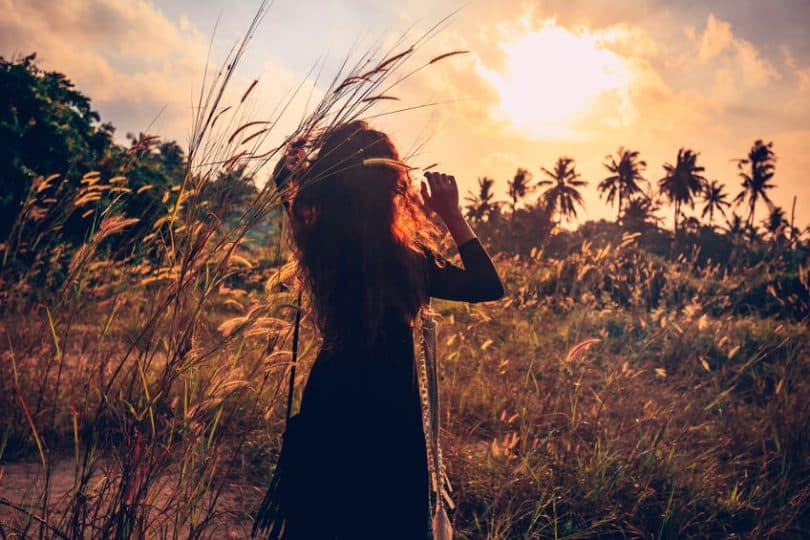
[543, 79]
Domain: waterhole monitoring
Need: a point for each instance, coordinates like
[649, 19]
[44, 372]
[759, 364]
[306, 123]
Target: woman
[354, 463]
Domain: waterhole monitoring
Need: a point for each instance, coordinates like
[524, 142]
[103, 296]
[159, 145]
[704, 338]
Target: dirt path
[21, 483]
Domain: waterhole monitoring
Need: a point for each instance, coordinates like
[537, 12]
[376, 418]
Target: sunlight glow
[555, 80]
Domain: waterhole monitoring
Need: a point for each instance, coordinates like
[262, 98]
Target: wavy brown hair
[360, 235]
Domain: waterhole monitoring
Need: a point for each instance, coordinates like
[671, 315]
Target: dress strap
[425, 358]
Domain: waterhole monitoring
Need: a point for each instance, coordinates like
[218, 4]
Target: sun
[554, 80]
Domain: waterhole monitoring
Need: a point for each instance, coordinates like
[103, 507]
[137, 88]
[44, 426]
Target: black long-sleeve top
[478, 281]
[383, 373]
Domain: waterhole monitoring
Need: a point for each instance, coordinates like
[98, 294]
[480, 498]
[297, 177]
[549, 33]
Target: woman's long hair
[360, 235]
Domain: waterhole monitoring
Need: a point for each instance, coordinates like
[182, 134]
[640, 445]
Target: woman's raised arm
[478, 281]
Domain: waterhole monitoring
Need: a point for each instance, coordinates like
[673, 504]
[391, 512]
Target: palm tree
[735, 227]
[639, 214]
[756, 170]
[519, 187]
[738, 229]
[481, 205]
[623, 182]
[715, 199]
[776, 223]
[563, 194]
[691, 225]
[682, 181]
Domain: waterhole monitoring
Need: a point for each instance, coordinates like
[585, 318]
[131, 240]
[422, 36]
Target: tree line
[637, 199]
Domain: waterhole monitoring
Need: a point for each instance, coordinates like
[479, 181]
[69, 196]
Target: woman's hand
[443, 199]
[443, 196]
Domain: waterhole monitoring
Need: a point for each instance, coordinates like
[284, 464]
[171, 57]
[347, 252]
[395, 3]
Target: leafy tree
[46, 127]
[682, 181]
[691, 225]
[624, 178]
[776, 223]
[527, 231]
[563, 195]
[757, 171]
[715, 199]
[736, 227]
[152, 168]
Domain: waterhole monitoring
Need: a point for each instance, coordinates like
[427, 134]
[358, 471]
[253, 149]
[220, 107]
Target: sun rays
[555, 79]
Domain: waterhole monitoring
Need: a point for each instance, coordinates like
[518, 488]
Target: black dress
[360, 449]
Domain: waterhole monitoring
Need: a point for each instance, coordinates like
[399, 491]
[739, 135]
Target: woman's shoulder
[430, 256]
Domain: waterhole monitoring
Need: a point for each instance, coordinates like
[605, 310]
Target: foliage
[640, 214]
[46, 127]
[55, 151]
[519, 187]
[482, 206]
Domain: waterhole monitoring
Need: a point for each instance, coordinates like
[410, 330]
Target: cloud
[802, 73]
[716, 39]
[627, 40]
[135, 64]
[756, 70]
[560, 82]
[614, 71]
[793, 162]
[128, 57]
[501, 161]
[734, 56]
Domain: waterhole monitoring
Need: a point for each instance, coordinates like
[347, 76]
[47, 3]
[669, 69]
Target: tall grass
[155, 361]
[601, 417]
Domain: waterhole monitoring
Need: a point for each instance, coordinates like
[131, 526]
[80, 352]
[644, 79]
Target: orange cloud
[123, 55]
[716, 39]
[802, 73]
[736, 55]
[128, 57]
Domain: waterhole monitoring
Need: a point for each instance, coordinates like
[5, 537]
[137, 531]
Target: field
[634, 382]
[567, 413]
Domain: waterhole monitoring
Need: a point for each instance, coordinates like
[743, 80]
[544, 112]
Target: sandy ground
[21, 484]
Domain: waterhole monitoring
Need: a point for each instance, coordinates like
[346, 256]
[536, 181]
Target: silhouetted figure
[354, 460]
